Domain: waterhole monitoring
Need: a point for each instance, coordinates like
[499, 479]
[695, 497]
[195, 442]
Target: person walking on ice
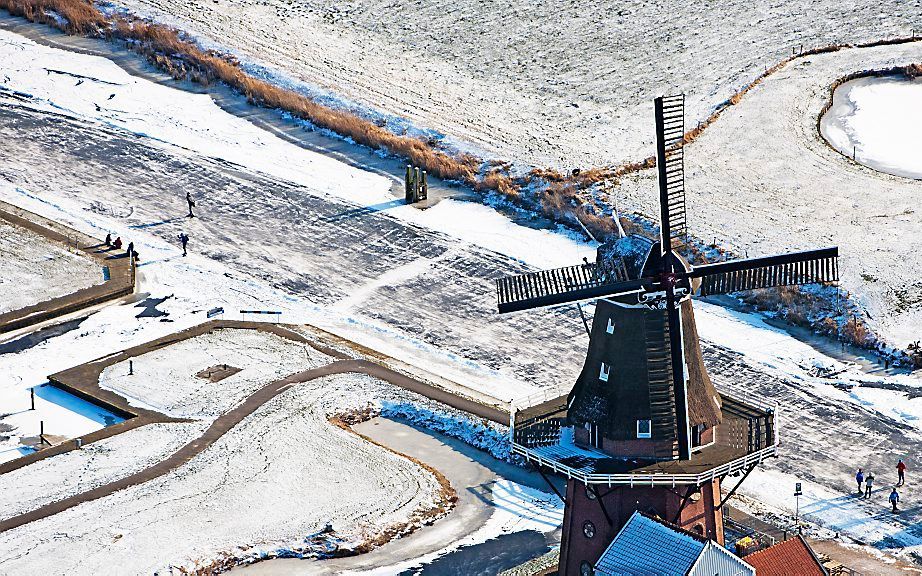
[859, 478]
[894, 499]
[901, 472]
[191, 203]
[868, 484]
[183, 239]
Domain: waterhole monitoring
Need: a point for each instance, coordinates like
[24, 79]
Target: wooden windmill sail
[644, 361]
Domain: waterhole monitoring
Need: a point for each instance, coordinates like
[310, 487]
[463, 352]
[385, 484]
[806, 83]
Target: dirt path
[230, 419]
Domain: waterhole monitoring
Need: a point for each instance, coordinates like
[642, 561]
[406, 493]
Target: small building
[792, 557]
[648, 546]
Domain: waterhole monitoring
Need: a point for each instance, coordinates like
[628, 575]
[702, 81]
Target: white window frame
[604, 371]
[649, 427]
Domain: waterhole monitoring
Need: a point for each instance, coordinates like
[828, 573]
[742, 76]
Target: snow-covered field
[163, 384]
[34, 269]
[877, 122]
[281, 474]
[283, 228]
[762, 180]
[556, 83]
[95, 464]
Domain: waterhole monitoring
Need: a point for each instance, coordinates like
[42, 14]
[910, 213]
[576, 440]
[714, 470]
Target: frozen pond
[878, 121]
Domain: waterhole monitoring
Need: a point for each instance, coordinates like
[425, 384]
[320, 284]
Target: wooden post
[41, 433]
[32, 395]
[416, 184]
[425, 186]
[407, 181]
[131, 368]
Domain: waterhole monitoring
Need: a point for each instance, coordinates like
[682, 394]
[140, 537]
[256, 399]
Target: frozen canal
[878, 122]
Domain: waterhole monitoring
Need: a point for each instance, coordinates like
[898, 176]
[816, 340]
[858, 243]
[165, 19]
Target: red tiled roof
[789, 558]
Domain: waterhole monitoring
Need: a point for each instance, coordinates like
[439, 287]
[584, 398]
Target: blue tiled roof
[645, 547]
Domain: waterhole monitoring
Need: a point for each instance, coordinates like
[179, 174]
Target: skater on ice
[868, 484]
[191, 203]
[859, 478]
[894, 499]
[184, 239]
[901, 472]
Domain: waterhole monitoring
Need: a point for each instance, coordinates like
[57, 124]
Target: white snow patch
[879, 123]
[165, 379]
[34, 269]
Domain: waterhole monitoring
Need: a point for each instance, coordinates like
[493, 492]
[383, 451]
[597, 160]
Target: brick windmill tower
[644, 428]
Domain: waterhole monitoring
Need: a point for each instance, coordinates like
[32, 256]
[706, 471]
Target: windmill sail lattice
[670, 162]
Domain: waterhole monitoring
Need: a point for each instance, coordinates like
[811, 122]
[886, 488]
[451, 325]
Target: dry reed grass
[557, 194]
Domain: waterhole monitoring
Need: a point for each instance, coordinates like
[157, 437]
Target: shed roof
[792, 557]
[645, 546]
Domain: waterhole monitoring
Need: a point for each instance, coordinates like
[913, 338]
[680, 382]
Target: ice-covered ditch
[487, 436]
[64, 416]
[877, 121]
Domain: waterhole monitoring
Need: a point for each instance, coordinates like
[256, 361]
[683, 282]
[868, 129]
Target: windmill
[643, 405]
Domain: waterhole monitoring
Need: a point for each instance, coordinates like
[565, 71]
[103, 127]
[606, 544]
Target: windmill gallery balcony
[746, 435]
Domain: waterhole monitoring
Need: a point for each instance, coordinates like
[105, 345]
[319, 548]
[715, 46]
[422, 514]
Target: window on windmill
[611, 327]
[697, 431]
[604, 371]
[644, 429]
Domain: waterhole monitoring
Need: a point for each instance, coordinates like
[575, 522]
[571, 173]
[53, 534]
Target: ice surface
[878, 121]
[63, 414]
[413, 285]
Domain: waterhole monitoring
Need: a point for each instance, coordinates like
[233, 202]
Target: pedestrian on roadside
[859, 478]
[894, 499]
[184, 239]
[868, 484]
[901, 472]
[191, 203]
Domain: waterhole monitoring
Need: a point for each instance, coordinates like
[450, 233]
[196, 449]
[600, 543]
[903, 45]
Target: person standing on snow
[901, 472]
[868, 483]
[191, 203]
[859, 478]
[894, 499]
[184, 239]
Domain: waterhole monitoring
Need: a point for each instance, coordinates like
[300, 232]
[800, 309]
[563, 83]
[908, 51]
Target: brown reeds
[555, 194]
